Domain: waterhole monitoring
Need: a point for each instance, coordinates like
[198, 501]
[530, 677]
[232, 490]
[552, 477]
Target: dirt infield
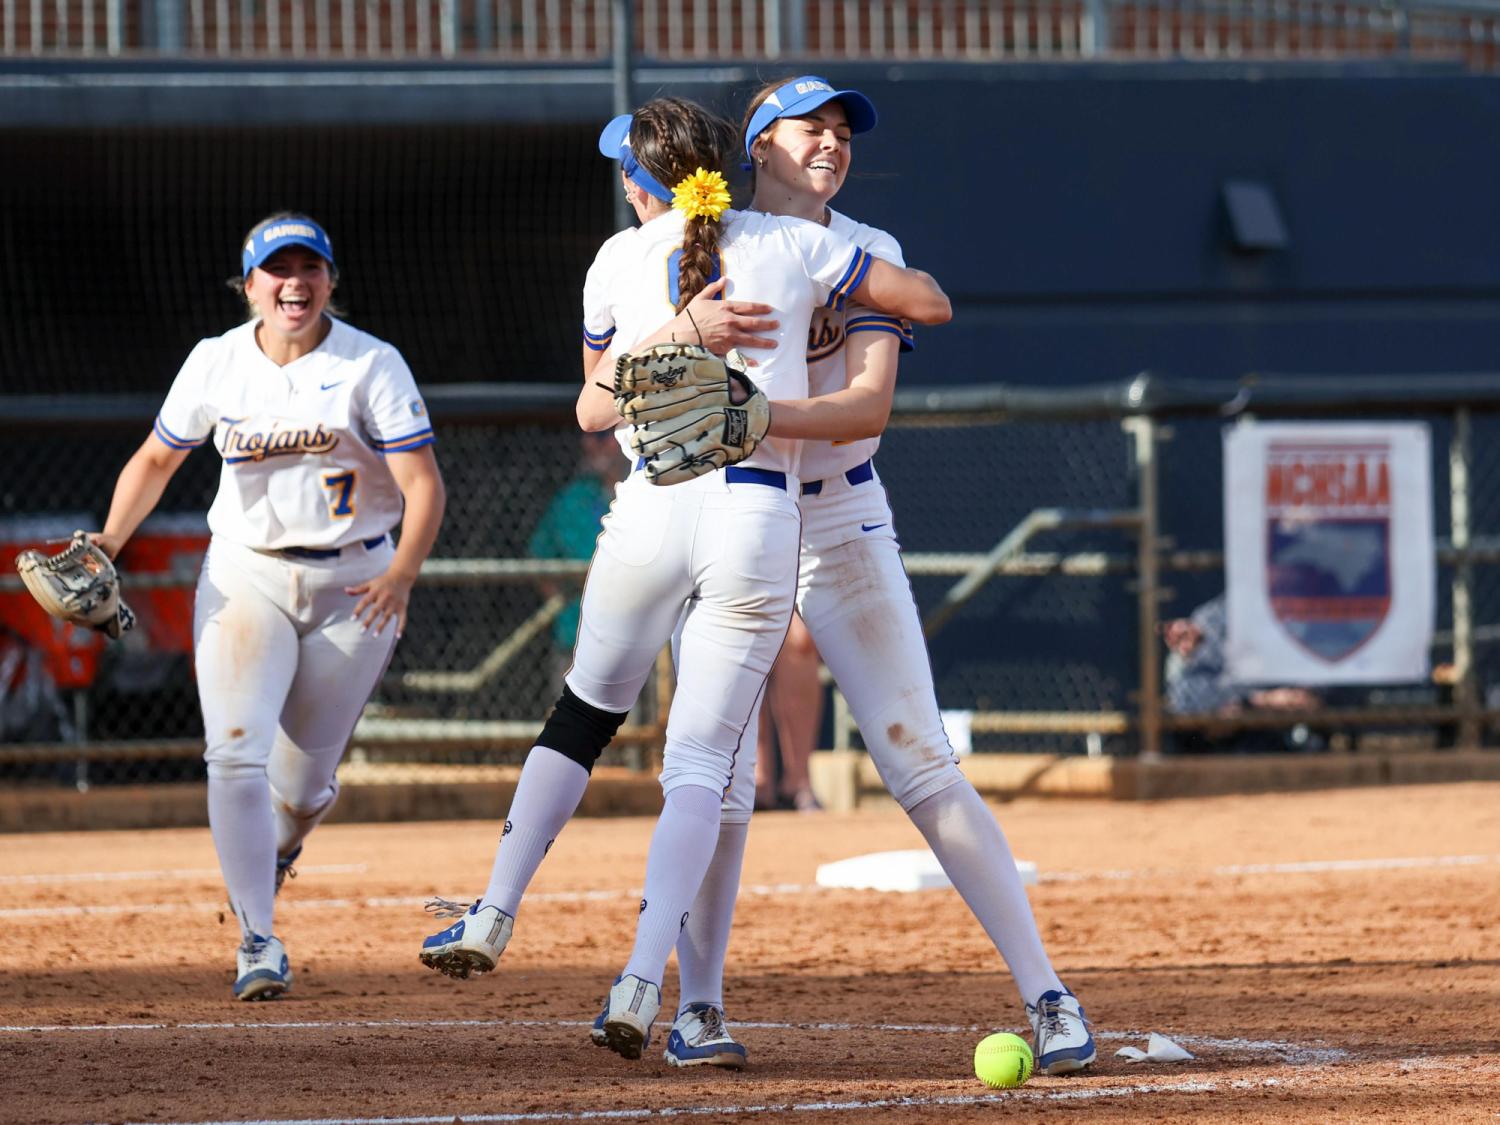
[1327, 957]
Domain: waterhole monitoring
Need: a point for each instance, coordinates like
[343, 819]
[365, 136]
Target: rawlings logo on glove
[78, 585]
[693, 413]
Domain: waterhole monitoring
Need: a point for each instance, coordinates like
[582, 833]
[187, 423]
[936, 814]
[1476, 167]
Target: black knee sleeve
[578, 731]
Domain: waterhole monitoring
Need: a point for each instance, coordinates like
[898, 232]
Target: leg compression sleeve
[578, 730]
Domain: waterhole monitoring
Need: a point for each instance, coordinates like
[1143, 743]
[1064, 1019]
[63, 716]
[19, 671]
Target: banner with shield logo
[1328, 552]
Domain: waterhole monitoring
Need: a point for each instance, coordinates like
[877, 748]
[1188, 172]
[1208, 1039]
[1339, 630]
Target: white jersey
[790, 264]
[827, 334]
[303, 445]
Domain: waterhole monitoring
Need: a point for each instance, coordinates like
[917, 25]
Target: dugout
[1079, 214]
[1083, 215]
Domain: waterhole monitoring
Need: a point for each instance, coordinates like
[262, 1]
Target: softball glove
[692, 412]
[78, 585]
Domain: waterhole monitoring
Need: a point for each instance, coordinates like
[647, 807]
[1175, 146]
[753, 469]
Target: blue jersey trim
[892, 324]
[858, 267]
[410, 441]
[171, 440]
[907, 343]
[597, 341]
[428, 440]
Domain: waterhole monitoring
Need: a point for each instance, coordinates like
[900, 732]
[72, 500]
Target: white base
[916, 870]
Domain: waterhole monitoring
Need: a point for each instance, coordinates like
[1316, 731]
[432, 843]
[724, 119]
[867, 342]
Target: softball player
[325, 443]
[727, 542]
[856, 600]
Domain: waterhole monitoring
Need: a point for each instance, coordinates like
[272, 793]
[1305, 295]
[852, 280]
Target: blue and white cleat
[628, 1015]
[700, 1037]
[596, 1032]
[264, 971]
[1060, 1033]
[284, 868]
[473, 944]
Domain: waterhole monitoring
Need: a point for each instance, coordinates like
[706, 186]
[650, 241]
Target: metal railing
[448, 703]
[754, 30]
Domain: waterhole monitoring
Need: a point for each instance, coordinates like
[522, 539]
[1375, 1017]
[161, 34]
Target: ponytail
[681, 143]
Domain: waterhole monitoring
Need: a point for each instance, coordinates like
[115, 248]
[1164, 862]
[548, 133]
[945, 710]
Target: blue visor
[265, 241]
[614, 143]
[801, 96]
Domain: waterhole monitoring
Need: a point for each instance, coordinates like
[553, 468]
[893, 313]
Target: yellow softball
[1002, 1061]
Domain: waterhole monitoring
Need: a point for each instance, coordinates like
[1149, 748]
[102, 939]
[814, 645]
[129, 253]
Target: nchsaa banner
[1328, 552]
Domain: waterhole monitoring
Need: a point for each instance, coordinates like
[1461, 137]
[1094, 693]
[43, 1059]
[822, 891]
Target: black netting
[1059, 643]
[464, 245]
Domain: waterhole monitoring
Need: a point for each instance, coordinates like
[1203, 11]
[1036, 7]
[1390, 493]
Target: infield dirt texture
[1327, 956]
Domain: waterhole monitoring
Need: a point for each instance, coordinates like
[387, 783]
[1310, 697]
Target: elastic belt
[857, 475]
[327, 552]
[735, 474]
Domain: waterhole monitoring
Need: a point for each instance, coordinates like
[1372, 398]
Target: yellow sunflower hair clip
[704, 195]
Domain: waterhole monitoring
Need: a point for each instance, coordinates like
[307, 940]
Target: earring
[761, 162]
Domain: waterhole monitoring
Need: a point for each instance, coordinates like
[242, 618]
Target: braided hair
[672, 138]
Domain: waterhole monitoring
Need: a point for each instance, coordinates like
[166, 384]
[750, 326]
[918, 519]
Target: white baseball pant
[721, 548]
[856, 599]
[283, 669]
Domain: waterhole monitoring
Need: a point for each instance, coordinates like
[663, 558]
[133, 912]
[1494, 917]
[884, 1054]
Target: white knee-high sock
[294, 825]
[244, 831]
[681, 848]
[546, 797]
[968, 843]
[704, 942]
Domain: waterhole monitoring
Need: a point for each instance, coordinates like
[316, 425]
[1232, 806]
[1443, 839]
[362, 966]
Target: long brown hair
[673, 138]
[755, 103]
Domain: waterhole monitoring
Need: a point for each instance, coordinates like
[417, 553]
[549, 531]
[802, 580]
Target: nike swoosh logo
[330, 386]
[870, 526]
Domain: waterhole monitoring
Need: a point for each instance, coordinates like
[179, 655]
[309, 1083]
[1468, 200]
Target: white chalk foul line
[1307, 867]
[403, 902]
[78, 910]
[174, 873]
[165, 874]
[1082, 1093]
[1286, 1052]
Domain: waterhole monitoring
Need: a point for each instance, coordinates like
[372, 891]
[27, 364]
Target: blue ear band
[614, 142]
[634, 169]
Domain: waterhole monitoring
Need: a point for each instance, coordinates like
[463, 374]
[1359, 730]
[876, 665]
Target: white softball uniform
[724, 545]
[304, 509]
[796, 267]
[852, 590]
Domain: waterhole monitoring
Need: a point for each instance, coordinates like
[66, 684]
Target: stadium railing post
[1148, 586]
[1465, 686]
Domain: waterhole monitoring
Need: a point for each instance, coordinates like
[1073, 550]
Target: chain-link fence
[480, 663]
[1021, 515]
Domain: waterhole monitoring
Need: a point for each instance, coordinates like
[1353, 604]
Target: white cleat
[264, 971]
[473, 944]
[1060, 1033]
[700, 1037]
[628, 1015]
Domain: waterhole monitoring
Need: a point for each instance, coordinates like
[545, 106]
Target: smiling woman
[326, 447]
[287, 280]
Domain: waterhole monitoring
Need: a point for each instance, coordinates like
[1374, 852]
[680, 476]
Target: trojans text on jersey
[258, 441]
[825, 334]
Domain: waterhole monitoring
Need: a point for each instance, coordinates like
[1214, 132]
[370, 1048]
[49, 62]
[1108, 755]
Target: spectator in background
[792, 714]
[1198, 683]
[570, 526]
